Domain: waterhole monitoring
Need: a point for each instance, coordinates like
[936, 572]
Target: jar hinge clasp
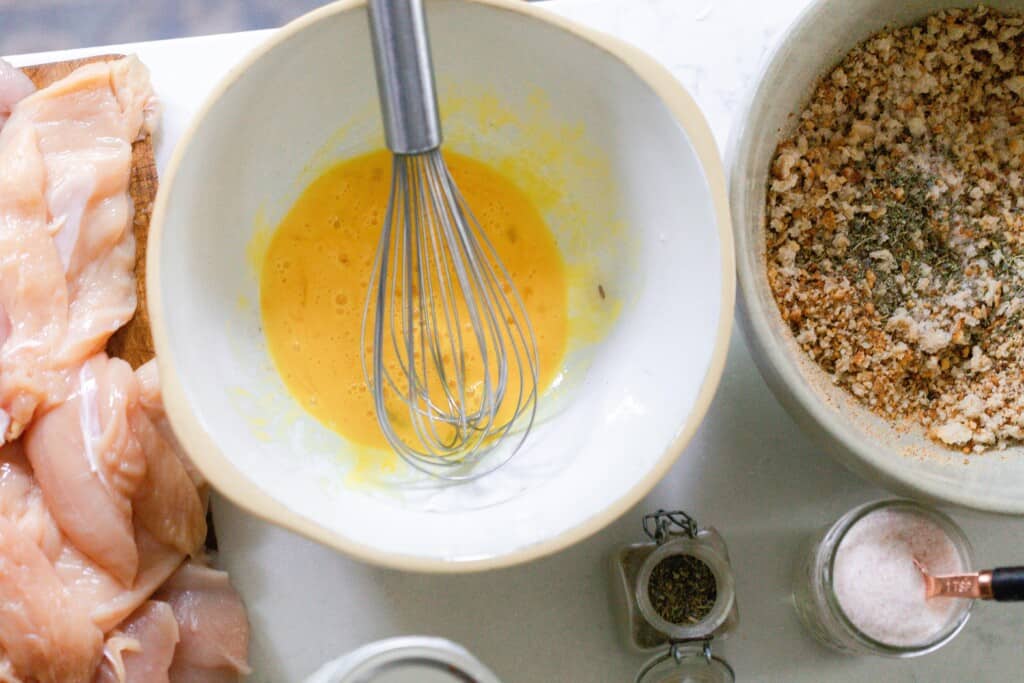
[661, 525]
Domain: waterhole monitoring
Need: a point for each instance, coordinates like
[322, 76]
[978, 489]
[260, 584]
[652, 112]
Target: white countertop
[750, 472]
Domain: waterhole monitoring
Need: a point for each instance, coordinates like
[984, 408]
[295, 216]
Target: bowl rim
[246, 494]
[855, 451]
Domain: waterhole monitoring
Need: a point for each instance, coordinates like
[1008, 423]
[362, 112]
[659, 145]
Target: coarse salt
[877, 585]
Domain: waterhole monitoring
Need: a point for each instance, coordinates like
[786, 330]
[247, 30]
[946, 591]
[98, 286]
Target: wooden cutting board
[133, 342]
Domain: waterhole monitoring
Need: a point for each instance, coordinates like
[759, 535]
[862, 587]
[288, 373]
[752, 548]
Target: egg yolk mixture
[317, 268]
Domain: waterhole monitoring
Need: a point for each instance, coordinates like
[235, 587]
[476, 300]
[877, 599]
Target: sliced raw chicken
[104, 597]
[213, 628]
[33, 292]
[45, 635]
[66, 153]
[141, 649]
[105, 470]
[7, 673]
[99, 507]
[22, 504]
[168, 503]
[87, 123]
[89, 465]
[14, 86]
[90, 587]
[151, 397]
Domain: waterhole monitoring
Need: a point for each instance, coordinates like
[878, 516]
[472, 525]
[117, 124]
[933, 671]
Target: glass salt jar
[857, 589]
[675, 595]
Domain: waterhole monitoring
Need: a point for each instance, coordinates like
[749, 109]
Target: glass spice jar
[674, 595]
[819, 603]
[687, 663]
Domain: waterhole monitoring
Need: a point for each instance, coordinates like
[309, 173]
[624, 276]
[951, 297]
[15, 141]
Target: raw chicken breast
[214, 630]
[172, 482]
[168, 503]
[22, 504]
[89, 465]
[99, 507]
[14, 86]
[107, 472]
[66, 151]
[93, 116]
[151, 398]
[46, 637]
[7, 674]
[33, 292]
[88, 586]
[104, 597]
[141, 649]
[23, 509]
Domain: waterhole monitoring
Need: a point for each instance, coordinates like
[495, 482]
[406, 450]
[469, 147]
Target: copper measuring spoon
[1005, 584]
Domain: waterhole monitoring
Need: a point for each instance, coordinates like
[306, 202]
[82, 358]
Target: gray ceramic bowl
[901, 459]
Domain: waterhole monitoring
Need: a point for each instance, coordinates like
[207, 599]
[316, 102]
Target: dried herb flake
[682, 589]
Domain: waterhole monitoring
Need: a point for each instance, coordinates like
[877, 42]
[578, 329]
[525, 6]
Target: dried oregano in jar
[682, 589]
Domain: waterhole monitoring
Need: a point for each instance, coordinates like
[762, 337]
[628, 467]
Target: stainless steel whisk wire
[434, 267]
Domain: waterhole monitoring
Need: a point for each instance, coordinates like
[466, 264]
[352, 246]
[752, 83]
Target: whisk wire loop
[452, 363]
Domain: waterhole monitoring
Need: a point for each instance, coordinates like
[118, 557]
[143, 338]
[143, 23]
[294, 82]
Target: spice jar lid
[687, 663]
[413, 659]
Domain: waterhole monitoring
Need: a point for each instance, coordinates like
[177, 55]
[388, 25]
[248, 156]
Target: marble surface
[750, 472]
[34, 25]
[714, 47]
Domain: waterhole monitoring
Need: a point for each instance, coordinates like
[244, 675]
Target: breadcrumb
[895, 219]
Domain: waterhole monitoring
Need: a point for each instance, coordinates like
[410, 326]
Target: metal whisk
[449, 340]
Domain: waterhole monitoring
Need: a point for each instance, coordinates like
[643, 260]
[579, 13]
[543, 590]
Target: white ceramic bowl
[896, 458]
[631, 184]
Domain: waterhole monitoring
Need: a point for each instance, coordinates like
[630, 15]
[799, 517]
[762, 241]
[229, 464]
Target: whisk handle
[405, 75]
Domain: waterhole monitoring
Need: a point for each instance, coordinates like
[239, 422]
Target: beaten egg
[317, 267]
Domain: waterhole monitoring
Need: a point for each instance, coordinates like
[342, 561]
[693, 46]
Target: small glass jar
[819, 608]
[669, 534]
[682, 651]
[706, 549]
[687, 663]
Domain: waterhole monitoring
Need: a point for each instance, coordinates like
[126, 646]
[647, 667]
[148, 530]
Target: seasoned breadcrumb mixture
[896, 226]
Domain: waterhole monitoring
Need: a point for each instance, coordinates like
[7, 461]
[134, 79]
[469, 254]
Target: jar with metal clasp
[675, 596]
[686, 663]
